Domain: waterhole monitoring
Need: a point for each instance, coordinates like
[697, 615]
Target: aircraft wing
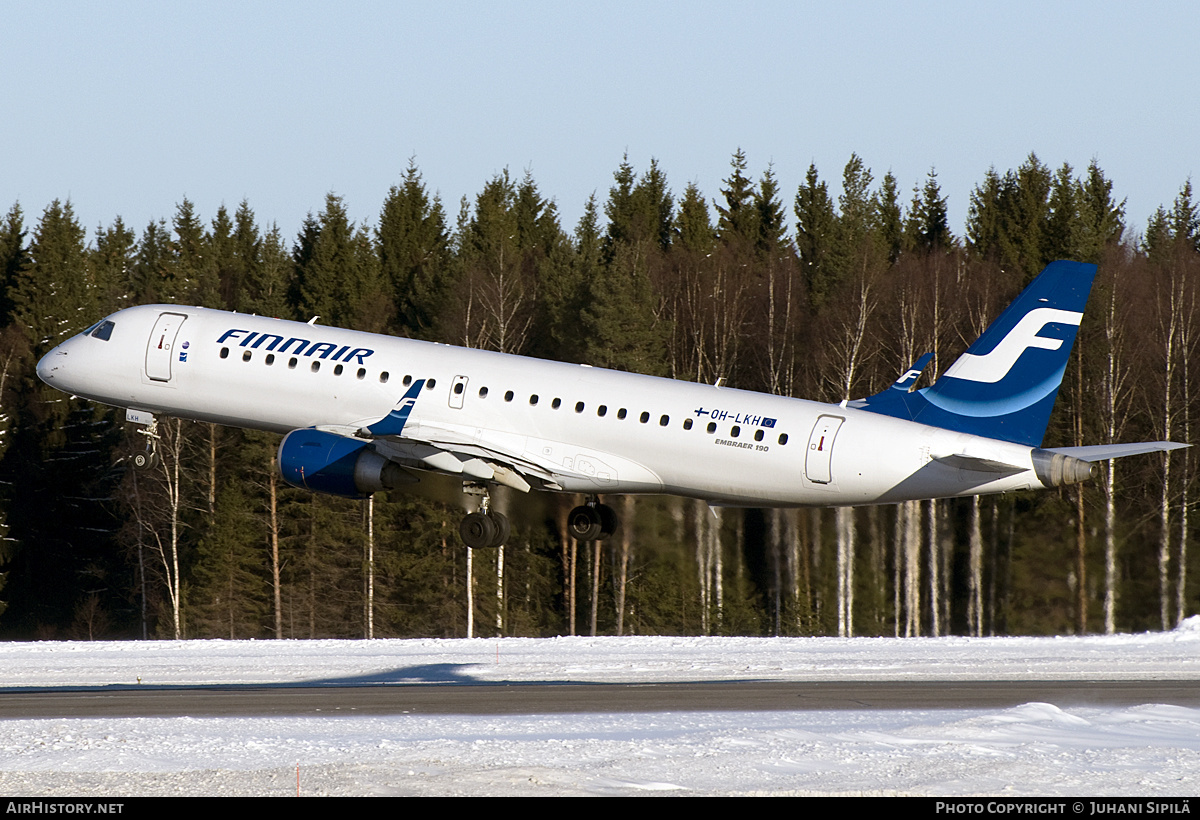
[451, 451]
[517, 461]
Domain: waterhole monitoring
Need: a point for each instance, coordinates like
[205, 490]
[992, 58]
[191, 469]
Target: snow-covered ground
[1032, 749]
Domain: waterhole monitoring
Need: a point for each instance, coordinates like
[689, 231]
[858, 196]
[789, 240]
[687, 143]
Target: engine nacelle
[337, 465]
[1056, 469]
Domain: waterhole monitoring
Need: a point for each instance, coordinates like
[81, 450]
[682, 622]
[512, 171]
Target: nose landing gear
[147, 459]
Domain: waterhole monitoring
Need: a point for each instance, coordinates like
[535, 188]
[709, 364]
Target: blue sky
[127, 108]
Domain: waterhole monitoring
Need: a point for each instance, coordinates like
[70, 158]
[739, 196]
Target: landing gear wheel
[478, 531]
[608, 520]
[500, 520]
[584, 524]
[145, 460]
[483, 530]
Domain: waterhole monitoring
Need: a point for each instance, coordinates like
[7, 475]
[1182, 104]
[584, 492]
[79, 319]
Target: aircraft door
[457, 391]
[820, 449]
[160, 349]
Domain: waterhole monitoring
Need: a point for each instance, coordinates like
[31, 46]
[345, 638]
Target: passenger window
[362, 373]
[337, 371]
[602, 410]
[429, 385]
[292, 363]
[224, 353]
[458, 388]
[316, 366]
[483, 392]
[383, 377]
[645, 417]
[712, 427]
[736, 431]
[508, 396]
[578, 407]
[664, 421]
[783, 438]
[407, 380]
[687, 424]
[270, 358]
[557, 403]
[622, 413]
[533, 400]
[758, 435]
[246, 356]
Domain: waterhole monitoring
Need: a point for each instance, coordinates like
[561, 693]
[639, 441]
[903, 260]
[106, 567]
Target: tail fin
[1005, 385]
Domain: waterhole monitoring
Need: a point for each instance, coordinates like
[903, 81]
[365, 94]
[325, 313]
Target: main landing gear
[485, 528]
[592, 521]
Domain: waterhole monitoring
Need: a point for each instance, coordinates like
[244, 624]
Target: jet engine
[337, 465]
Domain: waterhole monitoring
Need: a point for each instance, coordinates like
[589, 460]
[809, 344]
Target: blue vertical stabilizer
[1005, 385]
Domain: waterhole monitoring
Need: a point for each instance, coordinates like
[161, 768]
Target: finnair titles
[364, 413]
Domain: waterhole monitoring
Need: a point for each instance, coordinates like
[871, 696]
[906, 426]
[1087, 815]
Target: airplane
[363, 413]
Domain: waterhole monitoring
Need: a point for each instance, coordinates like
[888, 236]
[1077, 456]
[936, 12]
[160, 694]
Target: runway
[516, 716]
[577, 698]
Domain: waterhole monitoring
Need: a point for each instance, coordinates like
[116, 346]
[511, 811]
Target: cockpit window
[103, 331]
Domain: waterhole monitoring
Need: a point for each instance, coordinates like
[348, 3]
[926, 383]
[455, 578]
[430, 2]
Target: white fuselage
[597, 431]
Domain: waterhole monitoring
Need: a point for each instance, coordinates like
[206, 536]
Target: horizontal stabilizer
[1103, 452]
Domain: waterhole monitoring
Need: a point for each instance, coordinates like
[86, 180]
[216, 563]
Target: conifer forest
[827, 292]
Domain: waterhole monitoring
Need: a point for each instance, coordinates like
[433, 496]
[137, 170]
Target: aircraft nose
[50, 364]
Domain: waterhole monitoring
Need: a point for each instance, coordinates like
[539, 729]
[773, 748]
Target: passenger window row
[556, 403]
[293, 362]
[644, 417]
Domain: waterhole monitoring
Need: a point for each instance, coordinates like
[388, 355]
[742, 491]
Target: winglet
[897, 389]
[393, 423]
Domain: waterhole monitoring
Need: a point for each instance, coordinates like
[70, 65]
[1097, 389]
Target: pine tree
[228, 267]
[737, 221]
[693, 225]
[113, 263]
[338, 277]
[928, 221]
[54, 292]
[13, 257]
[192, 272]
[150, 269]
[563, 278]
[1063, 225]
[815, 222]
[770, 217]
[414, 255]
[891, 218]
[620, 329]
[1185, 218]
[270, 279]
[1103, 219]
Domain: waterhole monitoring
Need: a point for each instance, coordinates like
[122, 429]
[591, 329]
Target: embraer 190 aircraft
[364, 413]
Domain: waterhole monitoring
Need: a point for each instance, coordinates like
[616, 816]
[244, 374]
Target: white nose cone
[48, 365]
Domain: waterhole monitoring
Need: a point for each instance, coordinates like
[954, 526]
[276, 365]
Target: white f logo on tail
[994, 366]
